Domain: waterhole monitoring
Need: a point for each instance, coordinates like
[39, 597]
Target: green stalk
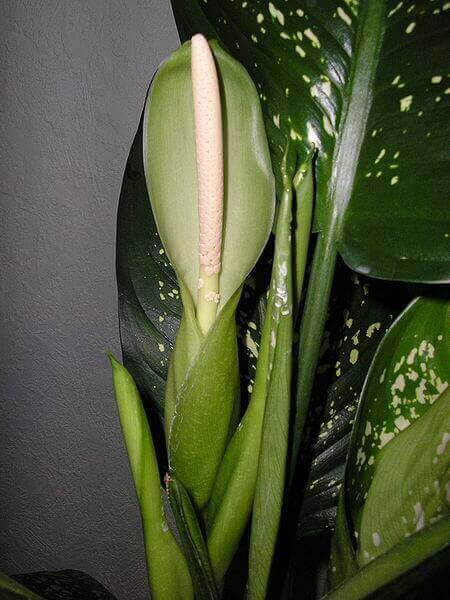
[311, 331]
[270, 480]
[234, 489]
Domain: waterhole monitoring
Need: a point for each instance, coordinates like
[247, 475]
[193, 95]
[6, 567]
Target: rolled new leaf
[192, 541]
[269, 487]
[233, 493]
[203, 379]
[167, 569]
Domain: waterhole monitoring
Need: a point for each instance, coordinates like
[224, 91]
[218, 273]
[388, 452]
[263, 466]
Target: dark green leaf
[67, 585]
[149, 302]
[361, 310]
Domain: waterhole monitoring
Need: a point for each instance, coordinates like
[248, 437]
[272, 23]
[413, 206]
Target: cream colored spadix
[209, 153]
[170, 163]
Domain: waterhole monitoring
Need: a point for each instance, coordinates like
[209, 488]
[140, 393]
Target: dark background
[73, 78]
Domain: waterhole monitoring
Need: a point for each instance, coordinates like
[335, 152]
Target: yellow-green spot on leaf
[313, 37]
[276, 14]
[405, 103]
[354, 353]
[344, 16]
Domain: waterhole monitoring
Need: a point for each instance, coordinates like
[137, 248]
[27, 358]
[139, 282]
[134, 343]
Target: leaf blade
[167, 570]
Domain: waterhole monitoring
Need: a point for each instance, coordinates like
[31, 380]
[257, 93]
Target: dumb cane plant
[222, 357]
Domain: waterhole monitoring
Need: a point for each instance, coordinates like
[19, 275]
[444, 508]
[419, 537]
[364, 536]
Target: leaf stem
[311, 332]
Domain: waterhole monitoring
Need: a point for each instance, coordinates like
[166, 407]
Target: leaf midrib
[350, 136]
[356, 112]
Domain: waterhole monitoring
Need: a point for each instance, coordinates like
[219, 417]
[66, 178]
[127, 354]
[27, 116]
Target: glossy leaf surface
[361, 310]
[404, 404]
[149, 300]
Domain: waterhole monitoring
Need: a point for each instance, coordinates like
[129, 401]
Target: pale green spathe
[171, 174]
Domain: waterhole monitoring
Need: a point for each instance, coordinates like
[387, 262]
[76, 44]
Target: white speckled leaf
[410, 371]
[402, 414]
[417, 464]
[361, 310]
[149, 300]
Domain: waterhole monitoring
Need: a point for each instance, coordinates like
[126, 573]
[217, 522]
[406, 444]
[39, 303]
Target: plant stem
[311, 332]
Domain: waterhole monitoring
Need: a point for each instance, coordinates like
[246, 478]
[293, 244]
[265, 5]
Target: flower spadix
[209, 152]
[211, 188]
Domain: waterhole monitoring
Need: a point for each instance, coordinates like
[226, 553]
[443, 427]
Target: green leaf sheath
[232, 496]
[233, 493]
[192, 541]
[167, 569]
[11, 590]
[269, 490]
[203, 398]
[398, 451]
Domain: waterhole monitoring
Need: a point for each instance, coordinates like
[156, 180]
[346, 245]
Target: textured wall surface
[73, 78]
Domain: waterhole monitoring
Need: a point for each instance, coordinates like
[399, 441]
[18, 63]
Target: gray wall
[72, 81]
